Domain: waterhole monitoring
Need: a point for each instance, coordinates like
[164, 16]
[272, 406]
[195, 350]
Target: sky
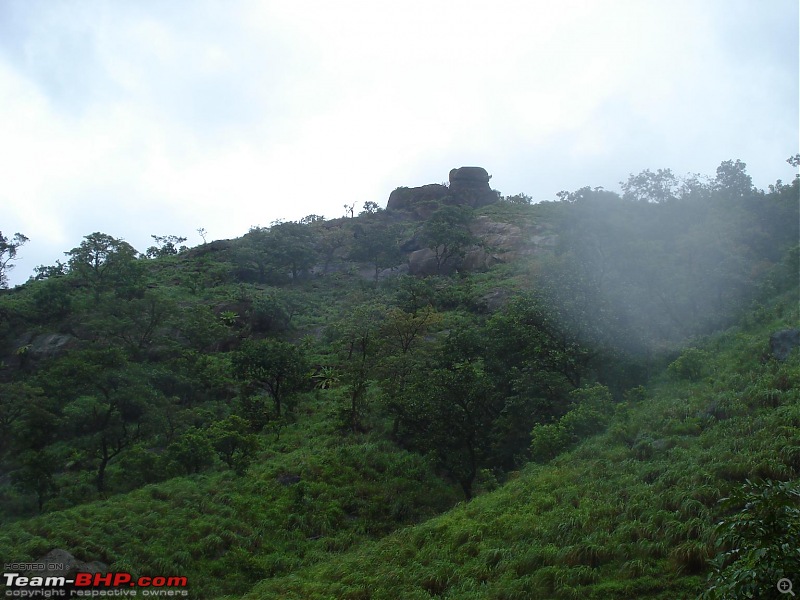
[150, 117]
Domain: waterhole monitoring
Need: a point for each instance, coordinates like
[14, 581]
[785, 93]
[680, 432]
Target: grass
[310, 495]
[627, 514]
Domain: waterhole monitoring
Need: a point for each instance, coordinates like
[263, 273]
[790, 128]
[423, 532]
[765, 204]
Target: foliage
[592, 409]
[692, 364]
[276, 254]
[377, 243]
[758, 539]
[167, 245]
[272, 365]
[8, 252]
[103, 262]
[447, 233]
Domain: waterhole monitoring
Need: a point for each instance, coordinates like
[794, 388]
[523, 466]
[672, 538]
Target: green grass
[627, 514]
[312, 493]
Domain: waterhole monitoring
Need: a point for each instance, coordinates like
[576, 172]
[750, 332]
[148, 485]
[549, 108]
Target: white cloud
[154, 117]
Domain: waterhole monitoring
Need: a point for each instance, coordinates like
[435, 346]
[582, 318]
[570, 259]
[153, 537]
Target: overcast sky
[135, 117]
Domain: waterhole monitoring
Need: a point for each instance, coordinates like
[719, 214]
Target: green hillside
[629, 513]
[450, 397]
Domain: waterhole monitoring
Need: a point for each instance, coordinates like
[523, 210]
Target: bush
[759, 543]
[590, 415]
[691, 365]
[548, 441]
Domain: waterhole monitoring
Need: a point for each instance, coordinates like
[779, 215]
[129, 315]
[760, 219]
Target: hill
[294, 407]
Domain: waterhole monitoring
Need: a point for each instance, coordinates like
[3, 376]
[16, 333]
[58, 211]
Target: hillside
[571, 386]
[629, 513]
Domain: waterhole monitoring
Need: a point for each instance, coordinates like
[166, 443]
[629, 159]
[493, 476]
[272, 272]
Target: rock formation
[499, 243]
[414, 199]
[470, 186]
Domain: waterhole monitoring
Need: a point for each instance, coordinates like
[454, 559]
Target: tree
[192, 450]
[103, 261]
[370, 208]
[402, 332]
[358, 342]
[285, 248]
[447, 233]
[311, 219]
[137, 323]
[35, 475]
[523, 199]
[450, 408]
[233, 443]
[279, 368]
[51, 271]
[732, 179]
[376, 243]
[16, 400]
[108, 403]
[8, 252]
[647, 186]
[403, 329]
[329, 239]
[292, 248]
[167, 245]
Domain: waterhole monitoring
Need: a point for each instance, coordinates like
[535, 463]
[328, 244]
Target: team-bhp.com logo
[92, 584]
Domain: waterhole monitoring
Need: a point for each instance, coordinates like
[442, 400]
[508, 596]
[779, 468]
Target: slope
[629, 513]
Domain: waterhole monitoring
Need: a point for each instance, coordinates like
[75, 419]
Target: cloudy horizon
[156, 118]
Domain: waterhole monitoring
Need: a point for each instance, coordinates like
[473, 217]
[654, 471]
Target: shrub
[691, 365]
[548, 441]
[759, 543]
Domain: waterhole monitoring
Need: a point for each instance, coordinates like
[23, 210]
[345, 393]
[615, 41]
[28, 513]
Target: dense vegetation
[285, 406]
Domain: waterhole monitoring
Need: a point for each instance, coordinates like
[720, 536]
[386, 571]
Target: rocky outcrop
[498, 242]
[469, 186]
[504, 242]
[404, 198]
[31, 348]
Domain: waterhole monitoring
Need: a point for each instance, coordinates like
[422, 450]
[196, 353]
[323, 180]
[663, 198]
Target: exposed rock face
[781, 343]
[504, 242]
[49, 345]
[31, 348]
[469, 186]
[499, 243]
